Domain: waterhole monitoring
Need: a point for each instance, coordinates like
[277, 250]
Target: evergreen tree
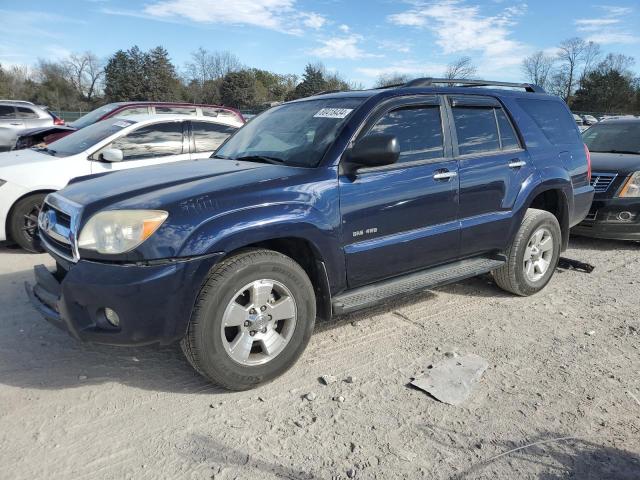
[313, 82]
[239, 89]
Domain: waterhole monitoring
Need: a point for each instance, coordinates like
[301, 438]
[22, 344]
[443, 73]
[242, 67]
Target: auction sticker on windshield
[333, 113]
[122, 123]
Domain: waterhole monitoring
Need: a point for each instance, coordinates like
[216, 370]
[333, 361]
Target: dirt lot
[561, 397]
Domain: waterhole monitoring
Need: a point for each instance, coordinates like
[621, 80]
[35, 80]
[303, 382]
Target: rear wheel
[23, 222]
[252, 320]
[533, 256]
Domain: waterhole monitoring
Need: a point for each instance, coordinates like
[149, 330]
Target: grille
[56, 237]
[602, 181]
[592, 215]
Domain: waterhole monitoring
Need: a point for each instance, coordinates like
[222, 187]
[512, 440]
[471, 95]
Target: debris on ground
[452, 380]
[570, 264]
[339, 399]
[310, 396]
[350, 379]
[328, 379]
[591, 333]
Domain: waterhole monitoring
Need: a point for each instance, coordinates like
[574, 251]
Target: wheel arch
[553, 200]
[13, 206]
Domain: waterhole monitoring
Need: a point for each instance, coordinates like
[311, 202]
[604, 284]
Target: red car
[46, 135]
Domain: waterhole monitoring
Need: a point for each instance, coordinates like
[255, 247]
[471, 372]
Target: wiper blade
[261, 158]
[45, 150]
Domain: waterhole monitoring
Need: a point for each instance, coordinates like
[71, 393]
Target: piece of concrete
[452, 380]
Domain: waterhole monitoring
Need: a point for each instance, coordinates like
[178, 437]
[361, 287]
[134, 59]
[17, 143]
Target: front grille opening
[602, 181]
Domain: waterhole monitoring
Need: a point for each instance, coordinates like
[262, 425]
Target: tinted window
[7, 112]
[209, 136]
[178, 110]
[153, 141]
[24, 112]
[507, 134]
[418, 130]
[133, 111]
[476, 129]
[95, 115]
[612, 137]
[554, 120]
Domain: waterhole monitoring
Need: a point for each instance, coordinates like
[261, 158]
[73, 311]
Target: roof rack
[428, 82]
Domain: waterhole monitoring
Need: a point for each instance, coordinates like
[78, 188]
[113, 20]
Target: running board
[378, 292]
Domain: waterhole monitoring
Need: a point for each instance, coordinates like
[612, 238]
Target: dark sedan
[615, 162]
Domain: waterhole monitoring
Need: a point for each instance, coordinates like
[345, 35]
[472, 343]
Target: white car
[27, 176]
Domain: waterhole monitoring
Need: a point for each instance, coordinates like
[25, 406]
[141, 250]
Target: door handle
[444, 175]
[16, 124]
[517, 164]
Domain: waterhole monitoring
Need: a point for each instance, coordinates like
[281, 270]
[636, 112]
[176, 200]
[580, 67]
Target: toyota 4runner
[317, 207]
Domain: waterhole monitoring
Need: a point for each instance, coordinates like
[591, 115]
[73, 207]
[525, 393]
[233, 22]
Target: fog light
[625, 216]
[112, 317]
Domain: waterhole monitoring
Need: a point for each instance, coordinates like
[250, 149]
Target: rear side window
[178, 110]
[24, 112]
[7, 112]
[132, 111]
[553, 118]
[476, 129]
[418, 130]
[209, 136]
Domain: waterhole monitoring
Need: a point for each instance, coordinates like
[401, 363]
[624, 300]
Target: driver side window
[158, 140]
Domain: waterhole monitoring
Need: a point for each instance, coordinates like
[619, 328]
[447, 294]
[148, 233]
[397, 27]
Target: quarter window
[209, 136]
[508, 137]
[24, 112]
[153, 141]
[554, 119]
[132, 111]
[418, 130]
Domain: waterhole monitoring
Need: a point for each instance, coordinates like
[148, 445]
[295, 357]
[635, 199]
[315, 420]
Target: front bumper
[154, 302]
[603, 222]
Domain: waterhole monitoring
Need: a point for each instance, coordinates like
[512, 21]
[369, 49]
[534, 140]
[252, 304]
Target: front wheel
[23, 222]
[533, 256]
[253, 318]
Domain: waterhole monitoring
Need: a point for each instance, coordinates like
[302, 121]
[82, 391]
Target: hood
[20, 165]
[46, 130]
[622, 163]
[157, 186]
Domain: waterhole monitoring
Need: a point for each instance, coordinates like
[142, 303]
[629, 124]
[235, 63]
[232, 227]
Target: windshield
[87, 137]
[296, 134]
[94, 115]
[615, 137]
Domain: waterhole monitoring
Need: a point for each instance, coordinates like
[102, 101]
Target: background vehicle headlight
[118, 231]
[632, 187]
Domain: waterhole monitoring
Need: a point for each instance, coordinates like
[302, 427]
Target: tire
[23, 210]
[220, 353]
[525, 276]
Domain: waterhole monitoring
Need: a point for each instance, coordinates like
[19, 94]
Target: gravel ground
[560, 399]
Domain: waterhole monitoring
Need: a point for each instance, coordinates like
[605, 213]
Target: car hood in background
[46, 130]
[623, 163]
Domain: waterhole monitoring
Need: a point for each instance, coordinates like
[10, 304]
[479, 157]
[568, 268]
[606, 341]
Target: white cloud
[395, 46]
[609, 29]
[461, 28]
[345, 47]
[344, 28]
[280, 15]
[406, 68]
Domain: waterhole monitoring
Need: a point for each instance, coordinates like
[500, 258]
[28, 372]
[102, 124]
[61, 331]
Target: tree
[160, 79]
[570, 55]
[204, 72]
[606, 90]
[462, 68]
[537, 68]
[238, 89]
[85, 72]
[389, 79]
[590, 57]
[312, 82]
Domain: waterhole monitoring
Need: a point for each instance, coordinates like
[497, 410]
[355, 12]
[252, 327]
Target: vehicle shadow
[547, 456]
[587, 243]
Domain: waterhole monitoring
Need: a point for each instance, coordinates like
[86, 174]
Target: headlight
[632, 187]
[118, 231]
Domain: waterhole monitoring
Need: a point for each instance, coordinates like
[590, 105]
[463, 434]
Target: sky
[361, 39]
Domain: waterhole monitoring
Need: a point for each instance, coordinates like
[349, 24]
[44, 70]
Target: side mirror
[111, 155]
[374, 151]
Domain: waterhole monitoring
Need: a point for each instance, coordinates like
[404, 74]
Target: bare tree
[389, 79]
[537, 68]
[570, 55]
[205, 65]
[590, 57]
[461, 68]
[85, 72]
[618, 62]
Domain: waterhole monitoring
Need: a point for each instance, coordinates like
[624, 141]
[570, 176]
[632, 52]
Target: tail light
[588, 153]
[58, 121]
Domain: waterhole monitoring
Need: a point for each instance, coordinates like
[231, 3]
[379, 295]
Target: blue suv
[316, 207]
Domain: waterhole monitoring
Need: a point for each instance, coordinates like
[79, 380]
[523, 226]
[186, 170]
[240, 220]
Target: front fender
[236, 229]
